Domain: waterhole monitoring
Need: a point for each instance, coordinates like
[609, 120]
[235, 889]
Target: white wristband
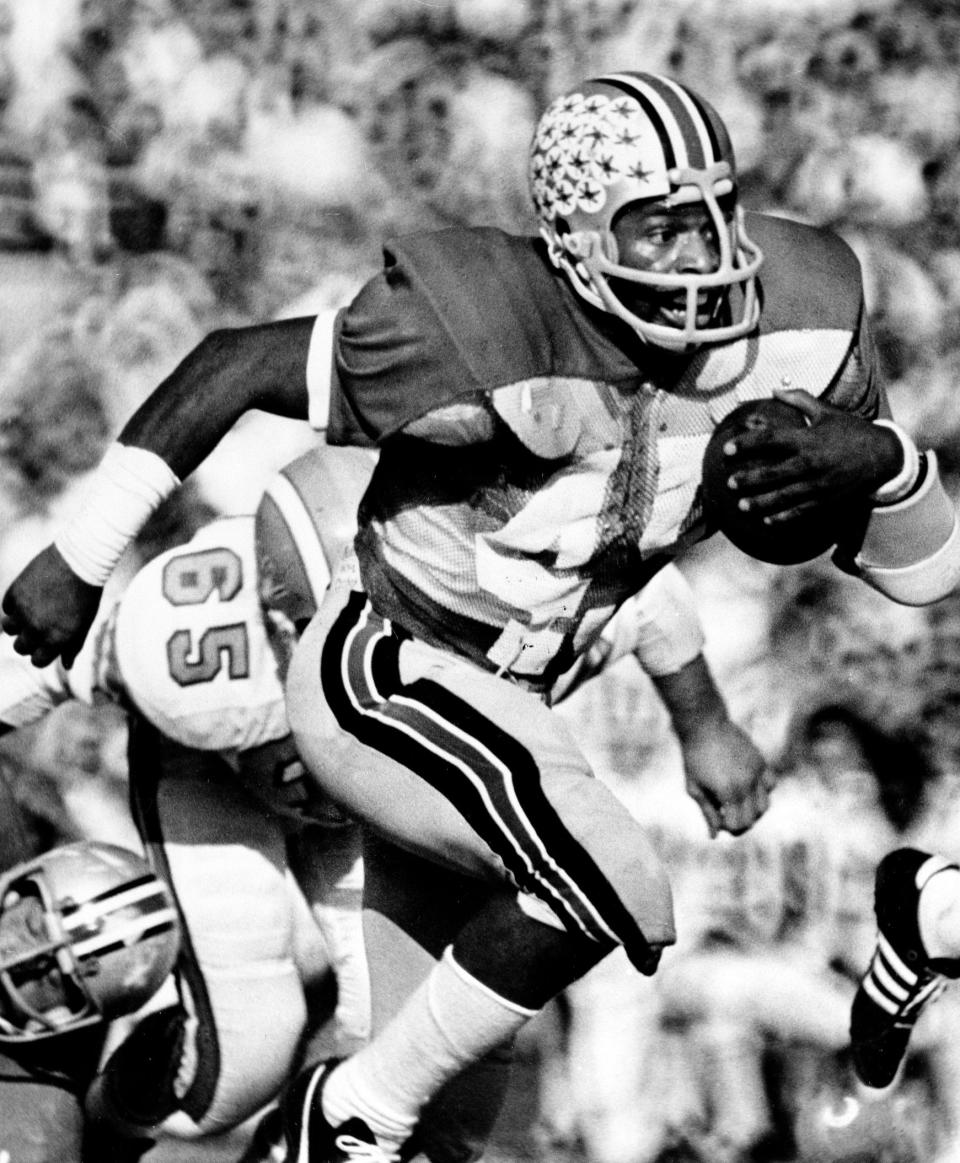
[902, 484]
[126, 488]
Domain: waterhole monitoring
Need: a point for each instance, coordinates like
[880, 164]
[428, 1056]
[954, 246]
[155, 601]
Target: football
[798, 539]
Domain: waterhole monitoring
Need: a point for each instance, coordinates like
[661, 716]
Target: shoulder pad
[810, 278]
[454, 314]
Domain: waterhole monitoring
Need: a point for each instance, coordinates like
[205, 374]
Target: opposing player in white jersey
[266, 872]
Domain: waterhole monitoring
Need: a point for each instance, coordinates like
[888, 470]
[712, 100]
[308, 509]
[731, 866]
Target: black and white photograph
[479, 581]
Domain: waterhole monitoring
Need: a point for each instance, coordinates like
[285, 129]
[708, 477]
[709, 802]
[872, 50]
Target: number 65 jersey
[185, 644]
[188, 644]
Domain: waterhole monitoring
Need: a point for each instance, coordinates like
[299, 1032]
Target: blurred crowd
[167, 166]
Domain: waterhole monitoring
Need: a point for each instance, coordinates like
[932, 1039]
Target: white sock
[450, 1021]
[938, 914]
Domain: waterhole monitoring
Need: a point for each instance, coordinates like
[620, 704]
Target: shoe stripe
[895, 963]
[879, 997]
[888, 982]
[303, 1147]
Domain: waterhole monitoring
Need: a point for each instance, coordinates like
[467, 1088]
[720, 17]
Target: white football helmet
[630, 137]
[305, 525]
[87, 933]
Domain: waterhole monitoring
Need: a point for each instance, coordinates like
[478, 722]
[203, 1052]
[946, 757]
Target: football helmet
[630, 137]
[87, 933]
[305, 525]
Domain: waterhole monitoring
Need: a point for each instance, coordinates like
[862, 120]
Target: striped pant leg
[469, 769]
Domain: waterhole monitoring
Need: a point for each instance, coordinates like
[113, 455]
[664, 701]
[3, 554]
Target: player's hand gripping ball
[801, 537]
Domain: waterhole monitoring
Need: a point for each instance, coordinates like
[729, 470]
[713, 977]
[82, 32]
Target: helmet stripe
[699, 121]
[140, 892]
[122, 937]
[665, 112]
[677, 114]
[668, 143]
[306, 539]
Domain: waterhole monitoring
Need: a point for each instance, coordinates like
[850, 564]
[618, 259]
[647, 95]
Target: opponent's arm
[50, 606]
[725, 772]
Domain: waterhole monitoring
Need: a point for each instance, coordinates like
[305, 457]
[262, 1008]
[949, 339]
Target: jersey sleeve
[28, 693]
[320, 371]
[453, 315]
[191, 643]
[394, 360]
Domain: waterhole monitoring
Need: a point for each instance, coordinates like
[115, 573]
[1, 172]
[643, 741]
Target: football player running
[658, 628]
[195, 648]
[541, 407]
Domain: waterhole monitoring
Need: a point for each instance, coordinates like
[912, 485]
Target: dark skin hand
[837, 457]
[47, 584]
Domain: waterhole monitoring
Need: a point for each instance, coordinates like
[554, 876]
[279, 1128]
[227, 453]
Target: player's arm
[909, 549]
[851, 453]
[49, 607]
[725, 772]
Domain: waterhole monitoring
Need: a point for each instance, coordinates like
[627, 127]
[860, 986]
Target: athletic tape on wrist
[127, 487]
[903, 483]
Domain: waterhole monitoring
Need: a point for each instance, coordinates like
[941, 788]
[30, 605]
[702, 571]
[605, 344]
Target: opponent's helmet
[305, 525]
[629, 137]
[87, 933]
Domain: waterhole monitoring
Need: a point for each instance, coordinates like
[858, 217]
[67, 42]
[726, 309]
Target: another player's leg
[917, 903]
[226, 1049]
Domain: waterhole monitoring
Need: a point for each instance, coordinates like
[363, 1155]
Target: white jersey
[185, 643]
[191, 647]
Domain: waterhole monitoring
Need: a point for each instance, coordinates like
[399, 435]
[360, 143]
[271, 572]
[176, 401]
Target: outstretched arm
[50, 606]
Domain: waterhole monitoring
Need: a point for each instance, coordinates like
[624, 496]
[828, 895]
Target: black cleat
[311, 1139]
[901, 979]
